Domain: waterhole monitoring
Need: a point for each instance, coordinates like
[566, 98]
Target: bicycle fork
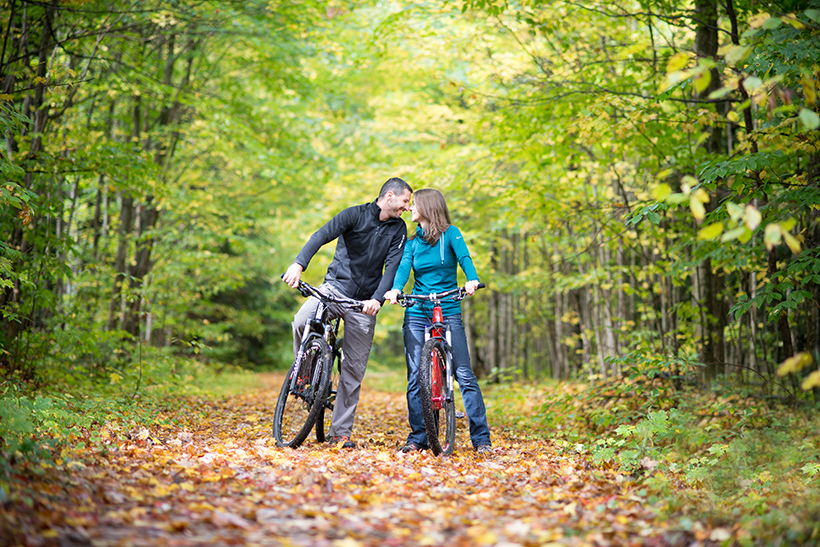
[300, 353]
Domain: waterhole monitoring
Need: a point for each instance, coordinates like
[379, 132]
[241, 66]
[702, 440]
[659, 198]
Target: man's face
[396, 205]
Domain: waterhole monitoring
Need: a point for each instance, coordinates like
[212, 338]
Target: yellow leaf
[711, 231]
[793, 244]
[115, 378]
[812, 381]
[686, 184]
[792, 20]
[733, 117]
[809, 89]
[772, 236]
[702, 195]
[753, 217]
[661, 191]
[736, 54]
[698, 211]
[677, 62]
[795, 363]
[702, 82]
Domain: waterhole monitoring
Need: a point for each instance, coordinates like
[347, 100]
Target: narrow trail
[221, 480]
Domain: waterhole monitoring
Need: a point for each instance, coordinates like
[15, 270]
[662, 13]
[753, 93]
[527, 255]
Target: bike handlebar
[308, 290]
[456, 295]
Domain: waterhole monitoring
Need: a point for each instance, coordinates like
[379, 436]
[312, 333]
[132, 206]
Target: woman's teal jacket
[434, 268]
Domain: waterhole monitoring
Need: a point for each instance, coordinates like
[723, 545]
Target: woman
[433, 254]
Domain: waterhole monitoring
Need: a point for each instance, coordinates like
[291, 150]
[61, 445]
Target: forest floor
[218, 479]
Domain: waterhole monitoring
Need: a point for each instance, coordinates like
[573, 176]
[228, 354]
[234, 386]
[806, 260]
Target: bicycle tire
[296, 411]
[324, 420]
[441, 434]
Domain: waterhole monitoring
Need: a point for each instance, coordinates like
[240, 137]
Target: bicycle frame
[441, 330]
[320, 324]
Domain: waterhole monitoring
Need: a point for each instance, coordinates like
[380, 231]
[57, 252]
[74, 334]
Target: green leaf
[720, 93]
[735, 211]
[813, 14]
[676, 199]
[752, 82]
[810, 119]
[735, 233]
[772, 23]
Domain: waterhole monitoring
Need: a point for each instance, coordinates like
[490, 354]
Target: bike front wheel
[302, 394]
[437, 404]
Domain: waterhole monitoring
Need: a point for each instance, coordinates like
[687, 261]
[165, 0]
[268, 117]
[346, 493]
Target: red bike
[436, 372]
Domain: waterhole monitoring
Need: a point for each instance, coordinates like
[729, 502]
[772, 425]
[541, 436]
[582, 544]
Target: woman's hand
[471, 286]
[392, 296]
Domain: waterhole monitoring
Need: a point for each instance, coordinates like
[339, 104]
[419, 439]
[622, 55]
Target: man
[371, 239]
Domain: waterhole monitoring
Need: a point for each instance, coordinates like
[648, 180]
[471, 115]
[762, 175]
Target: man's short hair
[395, 185]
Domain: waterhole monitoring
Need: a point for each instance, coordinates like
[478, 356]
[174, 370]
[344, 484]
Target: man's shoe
[484, 449]
[410, 447]
[343, 439]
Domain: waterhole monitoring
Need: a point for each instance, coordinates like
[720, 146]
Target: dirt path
[222, 481]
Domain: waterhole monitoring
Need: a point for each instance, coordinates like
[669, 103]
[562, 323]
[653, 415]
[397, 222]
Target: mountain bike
[309, 391]
[436, 371]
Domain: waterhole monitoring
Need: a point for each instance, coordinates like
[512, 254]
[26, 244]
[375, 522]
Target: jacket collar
[376, 211]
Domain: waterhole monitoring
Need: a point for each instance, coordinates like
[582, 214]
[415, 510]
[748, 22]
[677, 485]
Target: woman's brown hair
[431, 206]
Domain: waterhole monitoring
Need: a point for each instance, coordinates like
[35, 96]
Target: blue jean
[467, 382]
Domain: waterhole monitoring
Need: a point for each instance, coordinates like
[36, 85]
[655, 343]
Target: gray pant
[358, 338]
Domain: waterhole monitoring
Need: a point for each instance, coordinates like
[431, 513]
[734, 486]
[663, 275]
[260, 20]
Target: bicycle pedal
[459, 414]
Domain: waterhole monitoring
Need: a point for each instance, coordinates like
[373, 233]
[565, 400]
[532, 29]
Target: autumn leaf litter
[221, 480]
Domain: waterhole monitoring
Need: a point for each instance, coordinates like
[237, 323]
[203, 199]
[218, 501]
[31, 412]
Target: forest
[638, 182]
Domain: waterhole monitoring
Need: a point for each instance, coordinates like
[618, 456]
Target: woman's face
[414, 213]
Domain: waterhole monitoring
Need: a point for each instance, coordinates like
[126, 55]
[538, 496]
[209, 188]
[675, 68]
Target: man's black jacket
[366, 246]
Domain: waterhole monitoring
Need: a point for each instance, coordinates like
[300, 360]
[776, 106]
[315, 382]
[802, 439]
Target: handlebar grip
[481, 285]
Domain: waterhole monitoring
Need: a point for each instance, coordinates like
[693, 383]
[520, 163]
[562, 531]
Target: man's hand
[293, 275]
[392, 296]
[371, 307]
[471, 286]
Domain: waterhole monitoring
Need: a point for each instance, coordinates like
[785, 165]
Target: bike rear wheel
[437, 404]
[324, 420]
[300, 401]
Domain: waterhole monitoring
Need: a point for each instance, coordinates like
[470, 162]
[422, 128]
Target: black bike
[309, 390]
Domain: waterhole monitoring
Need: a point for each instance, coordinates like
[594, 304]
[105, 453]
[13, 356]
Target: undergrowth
[724, 454]
[63, 418]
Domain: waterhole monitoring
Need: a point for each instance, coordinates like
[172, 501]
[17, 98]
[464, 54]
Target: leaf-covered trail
[222, 481]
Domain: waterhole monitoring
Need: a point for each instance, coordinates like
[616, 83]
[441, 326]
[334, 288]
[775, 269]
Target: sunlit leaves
[711, 231]
[775, 232]
[795, 363]
[809, 119]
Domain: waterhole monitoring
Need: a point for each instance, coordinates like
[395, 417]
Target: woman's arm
[463, 255]
[403, 271]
